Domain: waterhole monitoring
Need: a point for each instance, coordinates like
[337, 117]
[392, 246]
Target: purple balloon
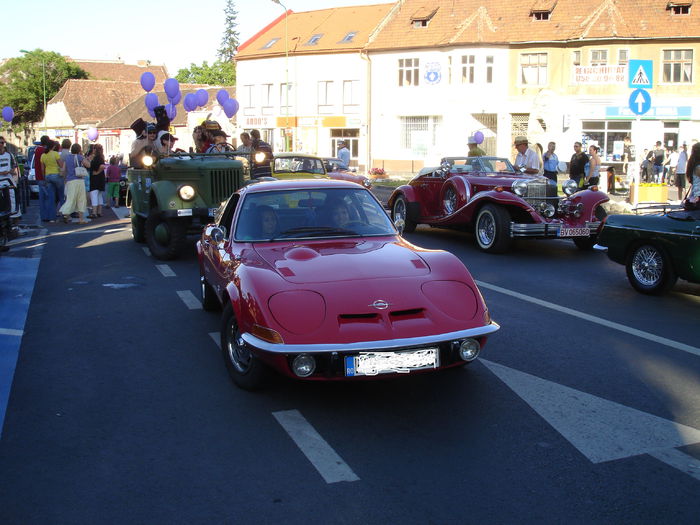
[190, 102]
[202, 97]
[8, 114]
[171, 86]
[222, 96]
[176, 99]
[92, 134]
[171, 111]
[479, 137]
[148, 81]
[230, 107]
[151, 100]
[151, 113]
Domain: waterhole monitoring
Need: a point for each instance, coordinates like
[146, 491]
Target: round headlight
[519, 187]
[367, 183]
[547, 210]
[569, 187]
[469, 349]
[147, 161]
[260, 157]
[303, 365]
[186, 192]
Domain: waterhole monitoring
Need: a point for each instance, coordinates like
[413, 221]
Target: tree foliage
[218, 74]
[28, 78]
[229, 40]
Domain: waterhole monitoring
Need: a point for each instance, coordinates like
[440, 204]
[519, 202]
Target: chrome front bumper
[364, 346]
[545, 229]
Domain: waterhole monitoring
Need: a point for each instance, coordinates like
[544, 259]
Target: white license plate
[374, 363]
[574, 232]
[212, 211]
[187, 212]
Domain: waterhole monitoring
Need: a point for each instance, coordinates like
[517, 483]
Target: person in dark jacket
[261, 157]
[577, 165]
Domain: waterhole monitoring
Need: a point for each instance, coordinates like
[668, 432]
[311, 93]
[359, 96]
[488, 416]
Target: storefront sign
[600, 74]
[656, 112]
[258, 122]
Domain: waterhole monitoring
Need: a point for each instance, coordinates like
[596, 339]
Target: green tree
[229, 41]
[26, 79]
[218, 74]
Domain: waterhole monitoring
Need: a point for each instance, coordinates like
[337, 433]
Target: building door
[351, 136]
[489, 121]
[671, 135]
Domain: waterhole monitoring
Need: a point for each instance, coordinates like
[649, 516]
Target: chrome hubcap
[400, 210]
[647, 266]
[486, 229]
[450, 201]
[238, 354]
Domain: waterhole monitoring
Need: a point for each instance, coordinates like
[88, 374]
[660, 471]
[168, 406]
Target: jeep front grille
[224, 183]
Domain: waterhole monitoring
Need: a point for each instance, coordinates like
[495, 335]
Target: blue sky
[175, 32]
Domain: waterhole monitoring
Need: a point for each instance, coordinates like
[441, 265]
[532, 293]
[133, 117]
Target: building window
[348, 38]
[419, 134]
[314, 40]
[249, 99]
[576, 58]
[325, 96]
[678, 66]
[409, 71]
[533, 69]
[489, 70]
[266, 99]
[421, 18]
[270, 43]
[540, 15]
[599, 57]
[286, 98]
[678, 9]
[468, 69]
[351, 96]
[623, 56]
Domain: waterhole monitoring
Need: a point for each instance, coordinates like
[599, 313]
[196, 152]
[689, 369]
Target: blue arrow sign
[640, 101]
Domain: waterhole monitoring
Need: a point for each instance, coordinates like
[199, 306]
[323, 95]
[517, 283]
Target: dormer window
[270, 43]
[314, 40]
[540, 15]
[679, 8]
[348, 38]
[422, 17]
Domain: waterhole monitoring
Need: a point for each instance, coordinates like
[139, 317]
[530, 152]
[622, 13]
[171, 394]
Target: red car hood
[342, 260]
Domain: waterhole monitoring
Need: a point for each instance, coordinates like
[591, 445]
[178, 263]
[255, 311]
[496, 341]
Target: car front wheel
[649, 270]
[165, 237]
[399, 211]
[492, 229]
[209, 300]
[246, 370]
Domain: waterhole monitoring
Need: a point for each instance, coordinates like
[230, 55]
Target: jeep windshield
[298, 164]
[310, 214]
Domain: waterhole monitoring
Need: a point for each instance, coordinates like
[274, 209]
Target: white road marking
[328, 463]
[679, 460]
[116, 230]
[165, 270]
[11, 331]
[601, 430]
[146, 251]
[120, 212]
[190, 300]
[593, 319]
[216, 337]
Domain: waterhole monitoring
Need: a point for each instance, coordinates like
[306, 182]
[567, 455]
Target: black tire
[209, 301]
[138, 227]
[492, 229]
[165, 237]
[587, 243]
[649, 270]
[246, 371]
[400, 210]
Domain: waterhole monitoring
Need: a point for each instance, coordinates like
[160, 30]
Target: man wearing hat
[144, 143]
[220, 145]
[165, 143]
[527, 160]
[343, 154]
[474, 149]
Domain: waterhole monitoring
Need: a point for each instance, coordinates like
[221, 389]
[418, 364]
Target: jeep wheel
[400, 211]
[492, 229]
[649, 270]
[165, 237]
[246, 370]
[209, 300]
[137, 227]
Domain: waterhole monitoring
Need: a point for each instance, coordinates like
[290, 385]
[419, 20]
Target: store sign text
[600, 74]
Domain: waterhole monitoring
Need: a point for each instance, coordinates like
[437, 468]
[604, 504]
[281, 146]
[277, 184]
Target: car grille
[224, 183]
[539, 192]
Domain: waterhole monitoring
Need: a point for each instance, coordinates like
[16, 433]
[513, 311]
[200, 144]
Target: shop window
[533, 69]
[607, 135]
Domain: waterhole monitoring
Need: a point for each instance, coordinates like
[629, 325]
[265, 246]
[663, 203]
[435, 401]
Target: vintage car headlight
[468, 349]
[147, 161]
[303, 365]
[367, 183]
[519, 187]
[547, 210]
[569, 187]
[186, 192]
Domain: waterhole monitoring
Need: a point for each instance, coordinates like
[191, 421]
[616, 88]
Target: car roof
[285, 154]
[299, 184]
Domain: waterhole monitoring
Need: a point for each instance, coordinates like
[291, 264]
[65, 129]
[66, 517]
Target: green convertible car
[655, 249]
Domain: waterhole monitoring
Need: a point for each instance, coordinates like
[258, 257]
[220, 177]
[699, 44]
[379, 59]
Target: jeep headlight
[569, 187]
[186, 192]
[147, 161]
[260, 157]
[519, 187]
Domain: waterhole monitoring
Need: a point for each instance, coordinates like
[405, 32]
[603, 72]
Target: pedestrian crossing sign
[641, 73]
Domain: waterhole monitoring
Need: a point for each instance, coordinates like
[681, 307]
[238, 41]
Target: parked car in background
[293, 166]
[336, 171]
[29, 172]
[488, 196]
[655, 249]
[316, 283]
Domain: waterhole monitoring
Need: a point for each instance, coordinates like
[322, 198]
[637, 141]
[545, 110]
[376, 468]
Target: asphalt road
[584, 407]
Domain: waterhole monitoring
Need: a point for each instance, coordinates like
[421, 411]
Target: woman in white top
[593, 177]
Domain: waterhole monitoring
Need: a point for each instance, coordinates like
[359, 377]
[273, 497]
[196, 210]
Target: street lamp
[43, 75]
[286, 74]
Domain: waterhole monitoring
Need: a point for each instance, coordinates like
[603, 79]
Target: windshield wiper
[314, 231]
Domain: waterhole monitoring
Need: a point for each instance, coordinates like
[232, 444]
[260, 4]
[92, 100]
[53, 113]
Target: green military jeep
[177, 196]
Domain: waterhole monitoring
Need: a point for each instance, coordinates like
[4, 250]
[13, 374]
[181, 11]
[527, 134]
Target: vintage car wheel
[400, 211]
[587, 243]
[244, 368]
[138, 227]
[450, 201]
[492, 229]
[209, 300]
[649, 270]
[165, 237]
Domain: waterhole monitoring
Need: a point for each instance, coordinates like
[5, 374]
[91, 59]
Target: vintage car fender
[462, 188]
[590, 200]
[504, 198]
[412, 201]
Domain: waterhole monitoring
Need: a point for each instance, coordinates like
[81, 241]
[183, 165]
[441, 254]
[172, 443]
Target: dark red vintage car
[316, 283]
[488, 196]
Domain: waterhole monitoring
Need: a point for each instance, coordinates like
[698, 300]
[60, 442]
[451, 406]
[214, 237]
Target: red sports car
[316, 283]
[488, 196]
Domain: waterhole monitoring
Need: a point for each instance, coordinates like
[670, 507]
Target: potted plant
[377, 173]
